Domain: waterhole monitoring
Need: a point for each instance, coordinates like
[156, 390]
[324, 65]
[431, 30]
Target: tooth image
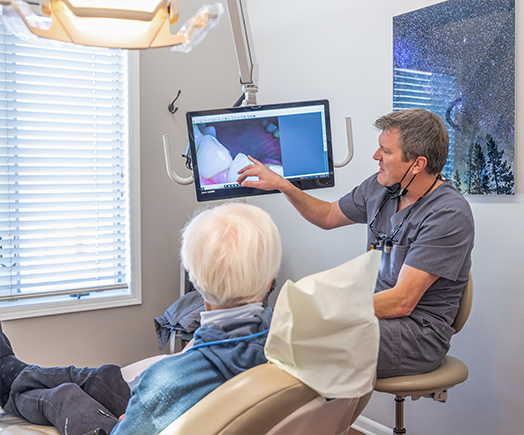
[198, 136]
[271, 128]
[213, 157]
[211, 130]
[221, 177]
[278, 169]
[241, 161]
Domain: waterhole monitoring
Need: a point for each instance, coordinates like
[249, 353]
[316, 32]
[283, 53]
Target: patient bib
[324, 331]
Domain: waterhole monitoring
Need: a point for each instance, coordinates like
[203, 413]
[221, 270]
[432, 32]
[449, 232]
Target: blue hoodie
[171, 386]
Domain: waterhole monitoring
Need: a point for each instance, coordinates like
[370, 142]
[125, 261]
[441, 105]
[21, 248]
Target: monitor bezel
[242, 192]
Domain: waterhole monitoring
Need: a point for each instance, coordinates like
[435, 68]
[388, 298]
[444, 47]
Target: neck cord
[388, 240]
[230, 340]
[396, 190]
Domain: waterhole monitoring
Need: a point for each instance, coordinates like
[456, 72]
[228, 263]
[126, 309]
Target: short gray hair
[422, 133]
[231, 252]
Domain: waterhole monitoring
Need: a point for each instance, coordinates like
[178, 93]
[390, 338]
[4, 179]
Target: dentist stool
[433, 384]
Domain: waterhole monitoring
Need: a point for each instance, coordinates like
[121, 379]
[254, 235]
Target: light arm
[247, 64]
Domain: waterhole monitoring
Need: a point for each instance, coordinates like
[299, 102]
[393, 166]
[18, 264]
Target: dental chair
[11, 425]
[265, 400]
[434, 384]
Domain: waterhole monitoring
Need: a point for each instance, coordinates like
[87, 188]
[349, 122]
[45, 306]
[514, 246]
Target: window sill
[66, 304]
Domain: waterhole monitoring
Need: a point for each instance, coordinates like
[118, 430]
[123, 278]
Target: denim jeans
[69, 398]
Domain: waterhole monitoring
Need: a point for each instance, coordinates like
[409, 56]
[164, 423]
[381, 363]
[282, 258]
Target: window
[69, 177]
[430, 91]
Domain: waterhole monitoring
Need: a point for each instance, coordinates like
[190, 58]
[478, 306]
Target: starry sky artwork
[457, 59]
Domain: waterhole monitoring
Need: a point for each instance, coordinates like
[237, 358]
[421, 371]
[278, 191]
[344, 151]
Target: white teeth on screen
[277, 169]
[213, 157]
[241, 161]
[211, 130]
[198, 136]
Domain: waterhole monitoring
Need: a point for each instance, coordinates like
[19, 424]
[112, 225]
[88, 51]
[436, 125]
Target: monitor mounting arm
[247, 64]
[248, 69]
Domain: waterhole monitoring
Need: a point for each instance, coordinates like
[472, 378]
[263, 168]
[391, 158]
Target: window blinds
[64, 205]
[430, 91]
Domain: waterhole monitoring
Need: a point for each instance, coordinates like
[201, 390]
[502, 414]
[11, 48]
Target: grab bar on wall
[168, 152]
[349, 138]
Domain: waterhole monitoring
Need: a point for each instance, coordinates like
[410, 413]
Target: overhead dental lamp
[140, 24]
[127, 24]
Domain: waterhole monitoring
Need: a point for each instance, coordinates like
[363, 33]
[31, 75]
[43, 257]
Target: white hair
[232, 253]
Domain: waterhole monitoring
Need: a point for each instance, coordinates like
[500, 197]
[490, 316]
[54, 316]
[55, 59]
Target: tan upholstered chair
[434, 384]
[267, 401]
[261, 401]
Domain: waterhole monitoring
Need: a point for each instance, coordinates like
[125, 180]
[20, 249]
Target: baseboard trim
[370, 427]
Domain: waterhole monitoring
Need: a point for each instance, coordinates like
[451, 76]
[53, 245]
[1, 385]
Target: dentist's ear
[420, 164]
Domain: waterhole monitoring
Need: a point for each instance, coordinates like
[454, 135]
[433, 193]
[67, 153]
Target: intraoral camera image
[223, 147]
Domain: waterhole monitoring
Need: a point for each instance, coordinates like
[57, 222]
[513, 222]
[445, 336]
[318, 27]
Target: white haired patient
[232, 254]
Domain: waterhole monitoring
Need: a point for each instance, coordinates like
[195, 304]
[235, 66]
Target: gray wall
[208, 77]
[342, 50]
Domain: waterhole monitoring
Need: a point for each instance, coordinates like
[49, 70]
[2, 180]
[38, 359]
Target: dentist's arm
[326, 215]
[400, 300]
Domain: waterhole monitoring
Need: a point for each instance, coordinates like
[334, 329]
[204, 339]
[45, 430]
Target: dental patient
[232, 254]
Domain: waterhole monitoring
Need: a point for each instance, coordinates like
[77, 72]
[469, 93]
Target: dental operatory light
[127, 24]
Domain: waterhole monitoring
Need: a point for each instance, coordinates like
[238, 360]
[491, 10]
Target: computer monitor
[292, 139]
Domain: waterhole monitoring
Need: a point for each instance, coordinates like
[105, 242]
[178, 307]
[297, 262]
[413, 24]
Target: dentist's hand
[267, 179]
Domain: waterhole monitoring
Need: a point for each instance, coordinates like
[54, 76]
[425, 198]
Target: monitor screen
[292, 139]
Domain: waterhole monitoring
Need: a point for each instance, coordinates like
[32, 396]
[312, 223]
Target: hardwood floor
[354, 432]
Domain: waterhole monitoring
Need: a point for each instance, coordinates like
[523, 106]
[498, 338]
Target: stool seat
[451, 372]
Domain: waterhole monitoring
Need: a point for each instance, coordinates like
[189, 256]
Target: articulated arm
[248, 69]
[247, 64]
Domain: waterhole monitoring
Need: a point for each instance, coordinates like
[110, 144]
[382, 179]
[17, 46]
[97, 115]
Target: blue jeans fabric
[69, 398]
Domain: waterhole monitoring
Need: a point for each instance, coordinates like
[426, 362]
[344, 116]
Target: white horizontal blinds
[431, 91]
[63, 168]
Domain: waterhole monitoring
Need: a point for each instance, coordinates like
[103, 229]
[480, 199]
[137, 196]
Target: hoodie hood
[233, 358]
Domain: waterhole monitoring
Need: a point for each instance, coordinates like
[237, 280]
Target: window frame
[41, 306]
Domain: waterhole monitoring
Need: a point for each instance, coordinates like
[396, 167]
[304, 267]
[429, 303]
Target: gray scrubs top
[436, 238]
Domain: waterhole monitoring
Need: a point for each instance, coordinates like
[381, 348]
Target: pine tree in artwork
[502, 178]
[475, 174]
[508, 182]
[485, 182]
[457, 182]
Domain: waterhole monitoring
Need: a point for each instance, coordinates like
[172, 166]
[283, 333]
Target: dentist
[419, 220]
